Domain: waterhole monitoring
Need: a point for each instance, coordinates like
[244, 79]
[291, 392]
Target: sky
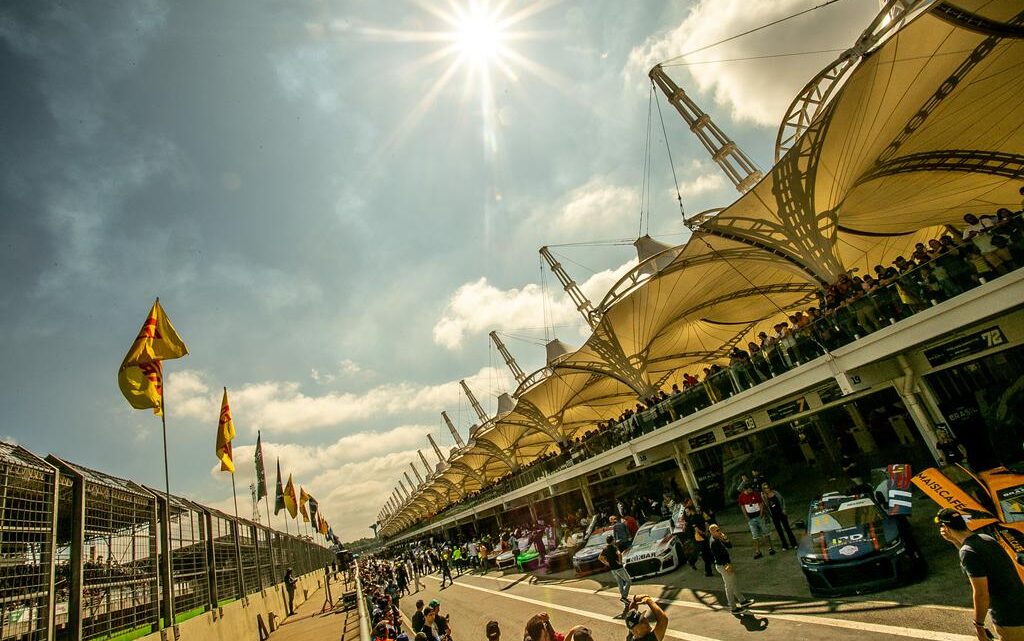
[336, 202]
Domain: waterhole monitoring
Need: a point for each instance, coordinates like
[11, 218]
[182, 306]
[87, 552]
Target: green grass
[128, 635]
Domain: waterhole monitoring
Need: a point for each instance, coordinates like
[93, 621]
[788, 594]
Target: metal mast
[426, 465]
[407, 478]
[419, 476]
[742, 171]
[404, 490]
[451, 428]
[580, 299]
[517, 371]
[472, 401]
[437, 450]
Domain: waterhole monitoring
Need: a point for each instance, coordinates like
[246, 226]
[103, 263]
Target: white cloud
[347, 367]
[282, 406]
[596, 208]
[351, 478]
[757, 91]
[701, 184]
[479, 307]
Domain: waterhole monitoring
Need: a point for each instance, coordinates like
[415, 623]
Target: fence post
[236, 523]
[211, 561]
[52, 579]
[154, 553]
[77, 559]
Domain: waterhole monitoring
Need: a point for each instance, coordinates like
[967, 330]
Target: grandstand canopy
[925, 127]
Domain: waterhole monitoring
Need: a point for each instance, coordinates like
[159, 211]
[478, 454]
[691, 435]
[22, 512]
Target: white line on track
[686, 636]
[847, 624]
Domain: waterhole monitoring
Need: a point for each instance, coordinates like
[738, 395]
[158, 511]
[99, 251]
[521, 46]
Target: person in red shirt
[631, 524]
[754, 509]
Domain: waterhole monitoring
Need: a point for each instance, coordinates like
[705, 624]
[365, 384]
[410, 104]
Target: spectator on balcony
[741, 370]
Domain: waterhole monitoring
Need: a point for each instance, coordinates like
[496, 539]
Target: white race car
[655, 550]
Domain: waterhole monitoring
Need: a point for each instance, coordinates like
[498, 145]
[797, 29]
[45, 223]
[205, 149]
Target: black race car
[852, 546]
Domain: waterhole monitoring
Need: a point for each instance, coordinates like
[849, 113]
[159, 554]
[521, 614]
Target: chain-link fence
[86, 555]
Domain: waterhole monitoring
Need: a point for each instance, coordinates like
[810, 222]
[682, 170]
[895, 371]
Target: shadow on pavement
[752, 623]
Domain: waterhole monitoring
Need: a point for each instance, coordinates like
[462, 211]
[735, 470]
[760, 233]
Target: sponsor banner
[946, 493]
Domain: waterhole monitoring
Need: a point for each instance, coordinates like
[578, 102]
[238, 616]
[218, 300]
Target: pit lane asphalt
[694, 614]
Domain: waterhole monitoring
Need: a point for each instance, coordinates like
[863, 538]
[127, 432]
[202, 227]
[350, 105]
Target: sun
[478, 35]
[477, 41]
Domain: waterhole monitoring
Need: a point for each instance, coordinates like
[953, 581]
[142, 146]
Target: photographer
[639, 627]
[441, 621]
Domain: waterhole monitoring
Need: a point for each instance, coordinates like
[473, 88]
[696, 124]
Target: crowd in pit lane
[397, 572]
[985, 247]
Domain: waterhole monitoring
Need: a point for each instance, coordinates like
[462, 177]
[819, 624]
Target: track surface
[694, 615]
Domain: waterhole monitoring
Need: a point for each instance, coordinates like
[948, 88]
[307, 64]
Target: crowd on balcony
[854, 306]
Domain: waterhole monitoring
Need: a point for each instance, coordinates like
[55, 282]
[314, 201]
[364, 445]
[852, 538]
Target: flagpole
[238, 537]
[270, 529]
[169, 619]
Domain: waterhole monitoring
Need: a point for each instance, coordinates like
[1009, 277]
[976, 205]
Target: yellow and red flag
[323, 526]
[140, 376]
[225, 434]
[303, 497]
[290, 502]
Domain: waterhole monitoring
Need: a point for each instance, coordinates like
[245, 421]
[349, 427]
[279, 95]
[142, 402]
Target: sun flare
[478, 36]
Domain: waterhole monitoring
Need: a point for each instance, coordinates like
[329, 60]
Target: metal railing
[86, 555]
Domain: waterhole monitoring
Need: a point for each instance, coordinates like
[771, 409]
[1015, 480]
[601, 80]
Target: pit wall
[236, 621]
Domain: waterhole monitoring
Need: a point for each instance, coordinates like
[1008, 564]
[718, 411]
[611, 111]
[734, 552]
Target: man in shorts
[753, 508]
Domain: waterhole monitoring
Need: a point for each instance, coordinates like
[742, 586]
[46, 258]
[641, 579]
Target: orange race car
[992, 500]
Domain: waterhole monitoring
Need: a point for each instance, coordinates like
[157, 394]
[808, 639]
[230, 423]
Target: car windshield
[1011, 501]
[643, 537]
[597, 539]
[861, 514]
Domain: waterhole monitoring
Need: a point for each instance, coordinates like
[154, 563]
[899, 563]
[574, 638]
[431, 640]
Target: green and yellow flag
[261, 474]
[140, 376]
[279, 503]
[290, 502]
[225, 434]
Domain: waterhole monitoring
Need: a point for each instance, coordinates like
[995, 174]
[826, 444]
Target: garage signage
[788, 409]
[964, 346]
[707, 438]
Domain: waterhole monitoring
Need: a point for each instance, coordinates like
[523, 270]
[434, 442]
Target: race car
[852, 546]
[585, 561]
[507, 559]
[991, 501]
[655, 550]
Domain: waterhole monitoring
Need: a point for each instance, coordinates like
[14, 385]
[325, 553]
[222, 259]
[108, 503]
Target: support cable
[746, 58]
[544, 300]
[671, 163]
[750, 31]
[645, 184]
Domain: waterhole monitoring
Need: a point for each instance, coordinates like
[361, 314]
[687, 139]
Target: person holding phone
[639, 627]
[720, 545]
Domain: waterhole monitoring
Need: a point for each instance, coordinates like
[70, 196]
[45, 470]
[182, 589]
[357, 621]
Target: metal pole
[167, 497]
[270, 528]
[238, 540]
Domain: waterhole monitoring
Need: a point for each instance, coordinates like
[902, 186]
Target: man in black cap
[441, 620]
[994, 581]
[289, 585]
[639, 627]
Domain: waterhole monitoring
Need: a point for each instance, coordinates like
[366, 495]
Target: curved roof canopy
[925, 127]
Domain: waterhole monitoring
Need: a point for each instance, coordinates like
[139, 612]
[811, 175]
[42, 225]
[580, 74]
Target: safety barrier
[86, 555]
